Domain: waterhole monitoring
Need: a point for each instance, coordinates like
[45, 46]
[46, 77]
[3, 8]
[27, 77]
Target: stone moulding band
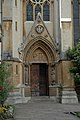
[65, 19]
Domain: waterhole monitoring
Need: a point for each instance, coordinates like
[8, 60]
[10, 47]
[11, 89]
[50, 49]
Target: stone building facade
[37, 34]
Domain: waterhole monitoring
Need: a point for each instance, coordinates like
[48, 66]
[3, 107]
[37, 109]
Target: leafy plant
[74, 55]
[78, 114]
[5, 82]
[7, 111]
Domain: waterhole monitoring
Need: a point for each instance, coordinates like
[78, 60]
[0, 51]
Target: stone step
[42, 99]
[15, 98]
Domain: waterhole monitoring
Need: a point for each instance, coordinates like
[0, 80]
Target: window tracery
[39, 1]
[35, 6]
[37, 10]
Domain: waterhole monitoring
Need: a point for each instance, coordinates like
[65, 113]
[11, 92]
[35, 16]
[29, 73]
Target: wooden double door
[39, 79]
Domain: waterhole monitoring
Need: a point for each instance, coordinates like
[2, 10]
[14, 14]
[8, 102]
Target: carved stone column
[26, 80]
[26, 74]
[53, 78]
[54, 86]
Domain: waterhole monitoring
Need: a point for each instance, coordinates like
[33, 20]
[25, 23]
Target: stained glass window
[76, 20]
[46, 11]
[42, 6]
[29, 12]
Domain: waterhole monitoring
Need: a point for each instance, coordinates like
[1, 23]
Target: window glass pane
[46, 12]
[76, 20]
[37, 10]
[29, 12]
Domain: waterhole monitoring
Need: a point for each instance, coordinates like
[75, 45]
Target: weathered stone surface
[45, 110]
[69, 97]
[39, 42]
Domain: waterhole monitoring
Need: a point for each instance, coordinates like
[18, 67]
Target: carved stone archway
[40, 51]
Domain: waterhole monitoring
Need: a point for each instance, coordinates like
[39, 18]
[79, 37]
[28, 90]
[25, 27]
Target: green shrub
[74, 55]
[5, 82]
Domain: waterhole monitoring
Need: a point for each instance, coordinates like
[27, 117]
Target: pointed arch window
[29, 12]
[33, 7]
[46, 12]
[37, 10]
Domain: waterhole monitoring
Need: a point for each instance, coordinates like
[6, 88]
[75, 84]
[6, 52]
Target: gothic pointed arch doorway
[39, 78]
[39, 59]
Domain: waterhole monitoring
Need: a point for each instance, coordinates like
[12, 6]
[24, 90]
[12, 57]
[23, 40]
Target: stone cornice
[7, 18]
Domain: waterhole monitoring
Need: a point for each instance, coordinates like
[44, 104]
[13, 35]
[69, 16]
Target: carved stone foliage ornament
[20, 51]
[39, 29]
[53, 75]
[39, 55]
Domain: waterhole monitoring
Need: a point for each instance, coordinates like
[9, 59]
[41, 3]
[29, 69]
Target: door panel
[34, 79]
[39, 79]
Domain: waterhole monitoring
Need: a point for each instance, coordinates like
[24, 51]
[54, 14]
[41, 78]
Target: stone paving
[45, 110]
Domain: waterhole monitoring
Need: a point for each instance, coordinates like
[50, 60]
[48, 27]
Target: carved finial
[39, 14]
